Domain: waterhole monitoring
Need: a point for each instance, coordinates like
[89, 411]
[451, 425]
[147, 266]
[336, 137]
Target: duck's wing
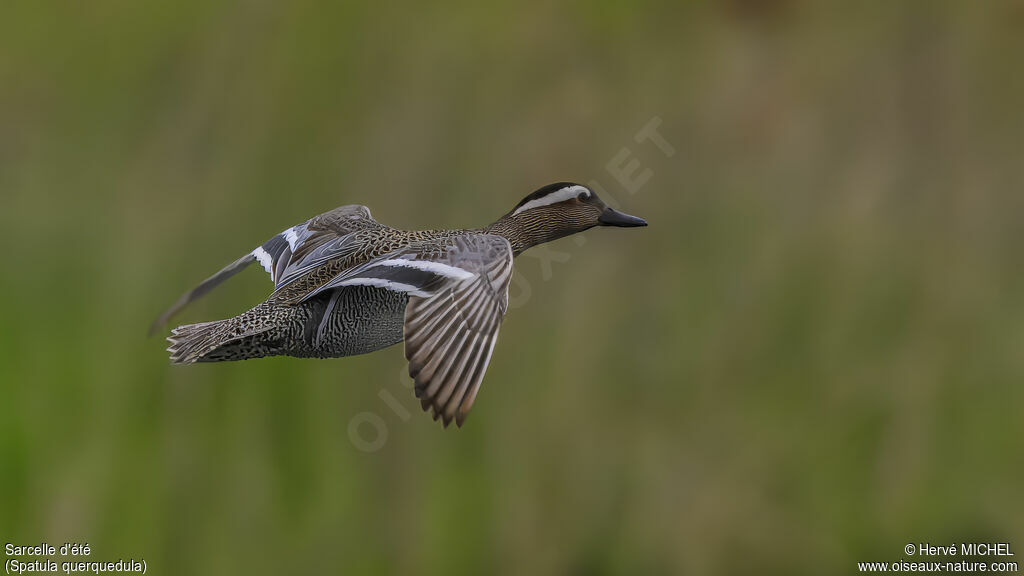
[298, 248]
[458, 291]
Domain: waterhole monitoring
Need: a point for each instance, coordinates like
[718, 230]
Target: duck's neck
[523, 233]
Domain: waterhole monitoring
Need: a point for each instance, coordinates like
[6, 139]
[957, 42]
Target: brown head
[558, 210]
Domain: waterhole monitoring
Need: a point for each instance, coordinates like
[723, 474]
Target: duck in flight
[345, 284]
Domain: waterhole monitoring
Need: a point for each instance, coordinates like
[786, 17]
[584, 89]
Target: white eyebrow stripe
[381, 283]
[291, 237]
[554, 197]
[264, 258]
[427, 266]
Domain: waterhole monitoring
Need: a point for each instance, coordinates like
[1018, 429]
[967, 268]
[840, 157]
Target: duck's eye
[582, 196]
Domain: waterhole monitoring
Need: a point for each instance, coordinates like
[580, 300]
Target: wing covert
[289, 253]
[458, 292]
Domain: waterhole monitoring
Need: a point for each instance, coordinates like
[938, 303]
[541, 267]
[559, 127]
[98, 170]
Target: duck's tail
[193, 342]
[238, 338]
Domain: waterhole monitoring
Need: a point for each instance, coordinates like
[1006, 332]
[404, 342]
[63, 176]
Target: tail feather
[261, 331]
[189, 343]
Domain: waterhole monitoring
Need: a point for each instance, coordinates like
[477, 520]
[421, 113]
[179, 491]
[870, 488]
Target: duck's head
[561, 209]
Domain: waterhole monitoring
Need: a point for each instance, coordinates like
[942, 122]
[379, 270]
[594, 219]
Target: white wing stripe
[291, 237]
[264, 258]
[427, 266]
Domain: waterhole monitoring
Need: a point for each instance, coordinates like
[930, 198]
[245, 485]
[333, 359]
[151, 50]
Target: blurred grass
[812, 356]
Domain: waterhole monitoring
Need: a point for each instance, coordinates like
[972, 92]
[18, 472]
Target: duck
[345, 284]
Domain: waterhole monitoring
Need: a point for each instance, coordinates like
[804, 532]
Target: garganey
[346, 284]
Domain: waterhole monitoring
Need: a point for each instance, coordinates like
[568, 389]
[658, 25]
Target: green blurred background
[813, 355]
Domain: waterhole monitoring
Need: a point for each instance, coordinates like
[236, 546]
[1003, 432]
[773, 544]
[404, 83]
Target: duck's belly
[347, 321]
